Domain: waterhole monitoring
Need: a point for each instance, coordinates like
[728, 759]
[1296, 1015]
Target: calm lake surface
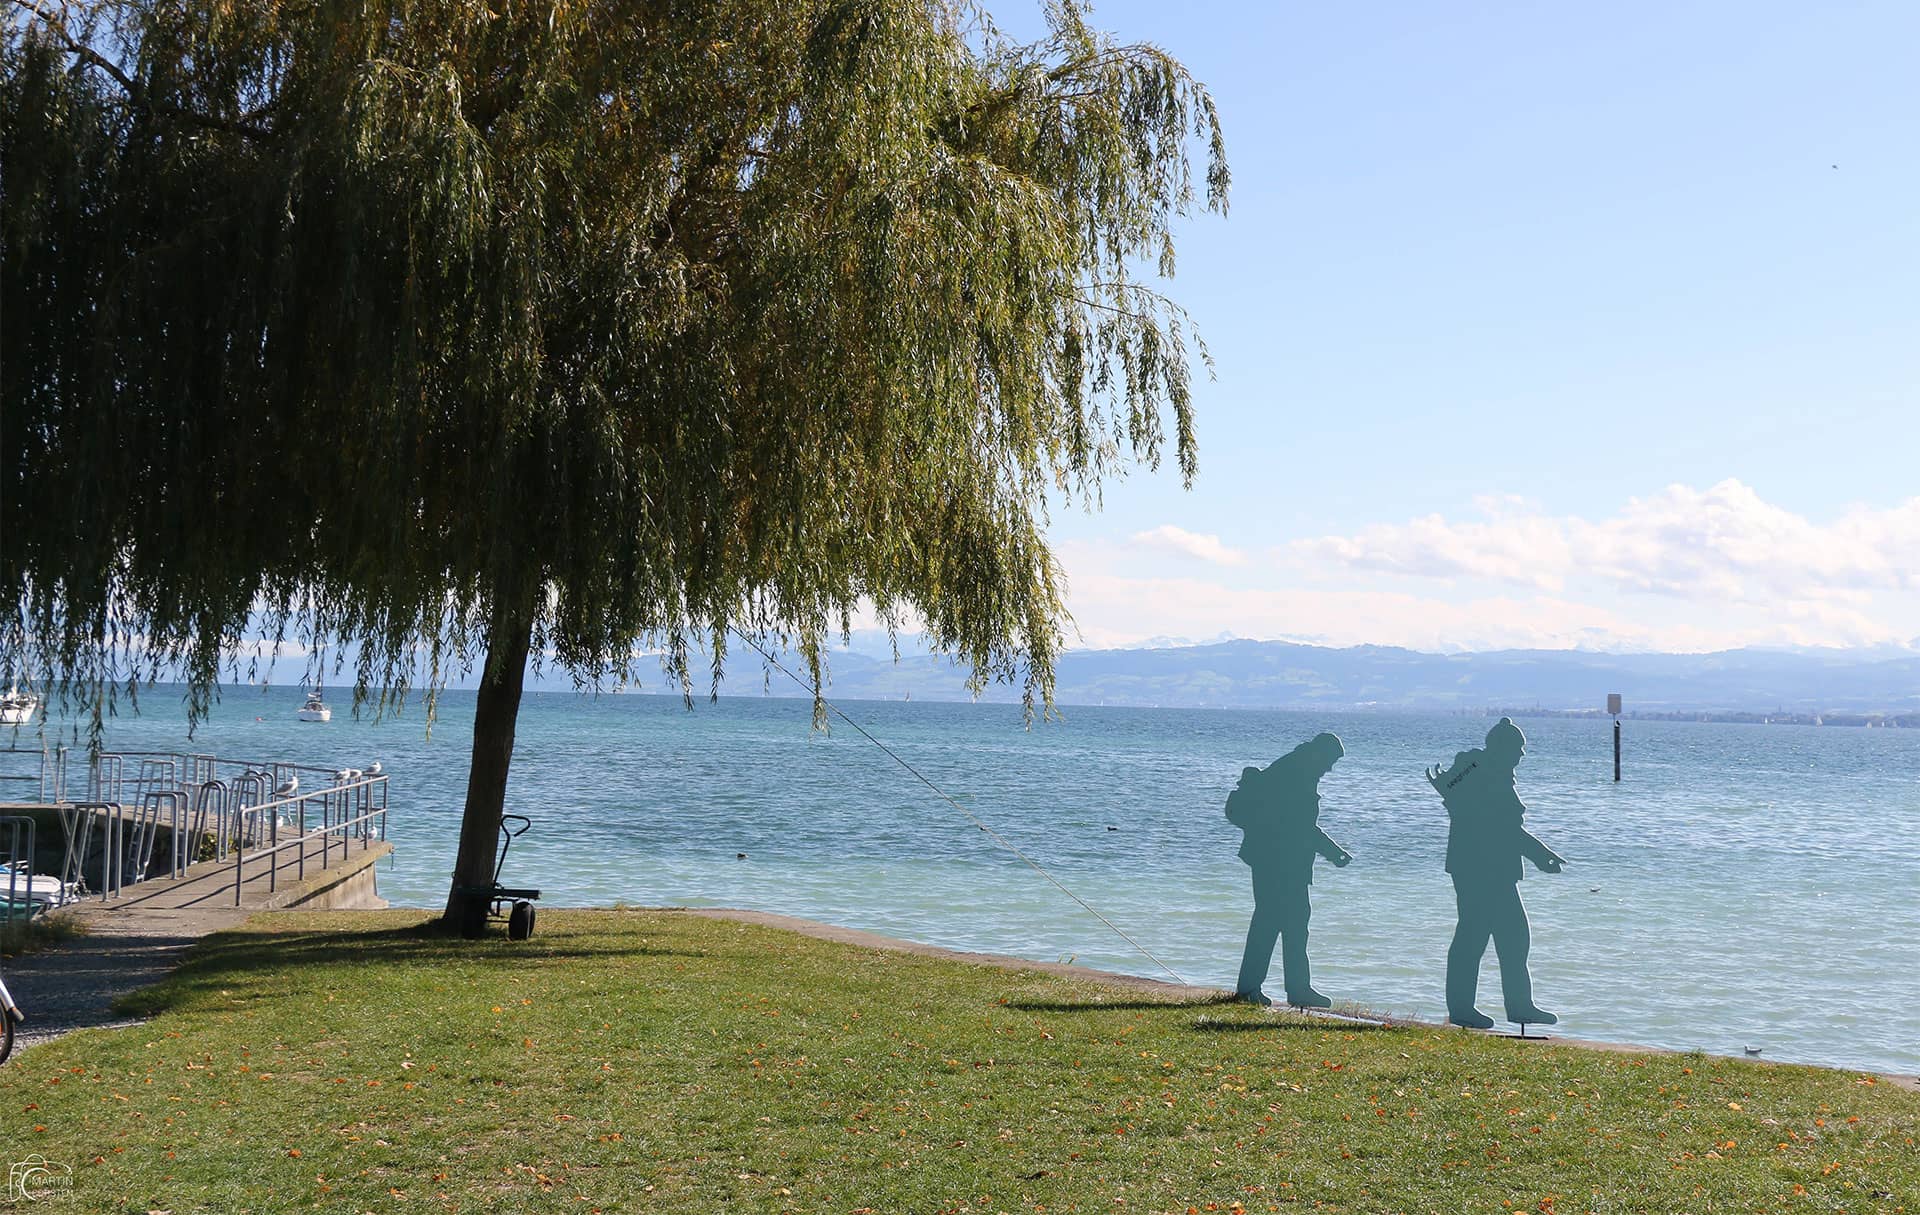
[1744, 886]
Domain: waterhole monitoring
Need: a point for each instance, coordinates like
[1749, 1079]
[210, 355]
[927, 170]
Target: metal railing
[47, 781]
[120, 836]
[128, 835]
[19, 876]
[213, 809]
[348, 808]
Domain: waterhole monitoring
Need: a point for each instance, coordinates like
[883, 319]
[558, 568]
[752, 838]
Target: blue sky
[1539, 325]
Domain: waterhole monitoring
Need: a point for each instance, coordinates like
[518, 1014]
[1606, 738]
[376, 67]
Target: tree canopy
[441, 327]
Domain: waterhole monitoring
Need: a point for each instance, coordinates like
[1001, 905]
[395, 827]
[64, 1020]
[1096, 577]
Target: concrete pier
[311, 875]
[322, 871]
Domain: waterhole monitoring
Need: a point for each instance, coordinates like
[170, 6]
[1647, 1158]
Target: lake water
[1744, 886]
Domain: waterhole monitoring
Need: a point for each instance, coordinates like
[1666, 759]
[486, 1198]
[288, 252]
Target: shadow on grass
[1207, 1025]
[227, 960]
[1114, 1005]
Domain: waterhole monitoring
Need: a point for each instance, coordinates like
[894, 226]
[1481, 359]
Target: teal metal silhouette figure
[1278, 807]
[1485, 843]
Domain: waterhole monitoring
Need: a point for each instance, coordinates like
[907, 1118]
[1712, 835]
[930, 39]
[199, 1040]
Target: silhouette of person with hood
[1485, 843]
[1278, 807]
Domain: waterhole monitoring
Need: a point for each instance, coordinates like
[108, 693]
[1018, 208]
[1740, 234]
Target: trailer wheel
[520, 921]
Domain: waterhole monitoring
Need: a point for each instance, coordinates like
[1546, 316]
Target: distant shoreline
[1887, 721]
[1867, 719]
[1866, 687]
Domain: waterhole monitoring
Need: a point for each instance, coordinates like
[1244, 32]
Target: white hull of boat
[316, 715]
[37, 889]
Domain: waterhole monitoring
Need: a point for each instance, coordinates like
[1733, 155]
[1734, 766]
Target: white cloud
[1683, 569]
[1723, 543]
[1527, 550]
[1207, 548]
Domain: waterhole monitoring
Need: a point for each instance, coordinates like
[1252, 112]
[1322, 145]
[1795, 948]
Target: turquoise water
[1744, 886]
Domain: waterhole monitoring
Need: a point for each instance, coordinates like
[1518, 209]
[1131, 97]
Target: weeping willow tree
[448, 333]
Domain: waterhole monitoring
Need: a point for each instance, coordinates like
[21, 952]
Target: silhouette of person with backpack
[1486, 840]
[1278, 807]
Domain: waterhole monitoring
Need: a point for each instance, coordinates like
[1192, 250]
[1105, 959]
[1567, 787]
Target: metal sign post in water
[1613, 707]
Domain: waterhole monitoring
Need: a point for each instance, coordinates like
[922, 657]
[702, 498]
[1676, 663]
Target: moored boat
[17, 707]
[315, 709]
[34, 892]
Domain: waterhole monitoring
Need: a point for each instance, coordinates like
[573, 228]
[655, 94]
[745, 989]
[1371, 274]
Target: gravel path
[74, 985]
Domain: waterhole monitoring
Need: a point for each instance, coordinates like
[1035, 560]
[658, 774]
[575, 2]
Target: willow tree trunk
[496, 711]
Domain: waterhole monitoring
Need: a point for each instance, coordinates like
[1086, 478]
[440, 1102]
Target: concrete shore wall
[352, 885]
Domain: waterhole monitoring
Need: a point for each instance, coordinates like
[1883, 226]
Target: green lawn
[624, 1061]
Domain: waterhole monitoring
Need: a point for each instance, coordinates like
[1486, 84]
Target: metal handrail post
[121, 827]
[13, 875]
[104, 777]
[110, 858]
[73, 862]
[239, 853]
[146, 832]
[177, 860]
[14, 824]
[13, 851]
[59, 775]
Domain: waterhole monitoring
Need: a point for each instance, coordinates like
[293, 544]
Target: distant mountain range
[1840, 686]
[1276, 674]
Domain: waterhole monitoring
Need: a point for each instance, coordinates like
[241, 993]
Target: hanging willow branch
[350, 321]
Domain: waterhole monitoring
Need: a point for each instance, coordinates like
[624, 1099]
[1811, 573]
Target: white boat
[37, 892]
[16, 707]
[315, 709]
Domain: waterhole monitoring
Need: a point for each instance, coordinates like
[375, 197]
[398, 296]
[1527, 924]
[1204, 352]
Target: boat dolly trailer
[514, 904]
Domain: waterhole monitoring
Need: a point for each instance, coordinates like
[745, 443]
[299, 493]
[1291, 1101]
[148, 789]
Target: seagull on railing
[288, 787]
[374, 768]
[346, 776]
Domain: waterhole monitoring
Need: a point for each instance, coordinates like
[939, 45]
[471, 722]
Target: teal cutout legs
[1281, 913]
[1262, 933]
[1491, 911]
